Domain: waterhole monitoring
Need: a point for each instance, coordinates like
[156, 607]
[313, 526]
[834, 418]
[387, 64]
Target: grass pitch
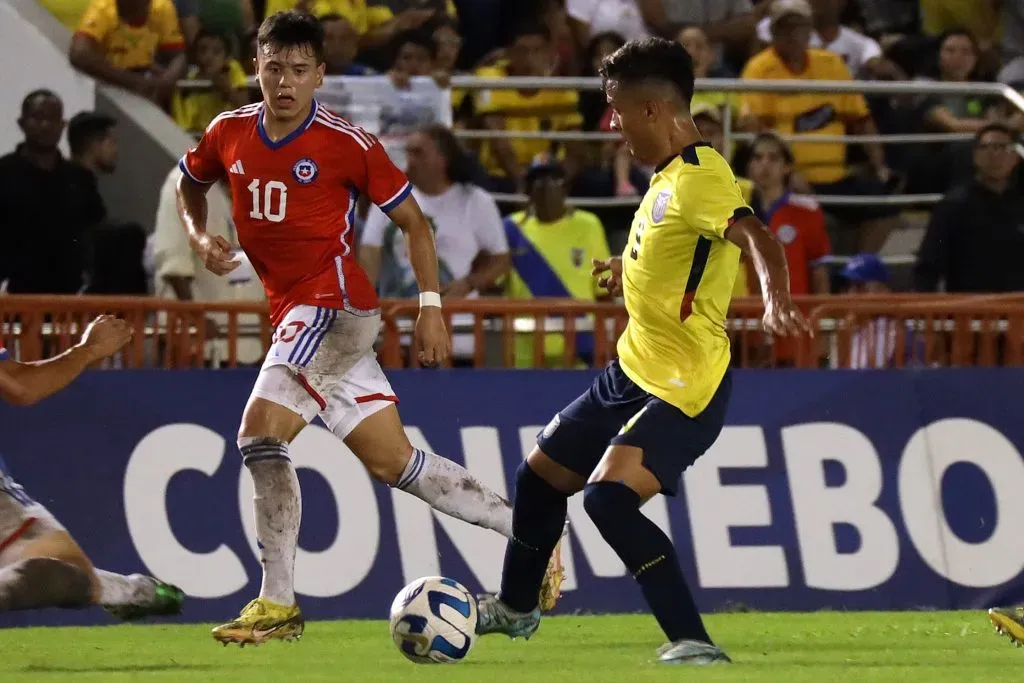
[821, 648]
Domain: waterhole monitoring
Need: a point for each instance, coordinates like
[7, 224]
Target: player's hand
[611, 270]
[215, 251]
[433, 344]
[783, 318]
[105, 336]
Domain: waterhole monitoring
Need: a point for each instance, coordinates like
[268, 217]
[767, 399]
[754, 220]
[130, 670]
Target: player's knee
[47, 582]
[389, 469]
[531, 485]
[608, 502]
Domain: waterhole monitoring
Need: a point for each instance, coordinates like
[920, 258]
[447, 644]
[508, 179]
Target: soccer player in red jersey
[295, 171]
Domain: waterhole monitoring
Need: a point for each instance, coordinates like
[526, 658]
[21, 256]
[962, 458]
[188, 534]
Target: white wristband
[430, 299]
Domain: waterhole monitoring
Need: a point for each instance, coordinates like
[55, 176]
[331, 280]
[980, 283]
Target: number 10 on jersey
[274, 200]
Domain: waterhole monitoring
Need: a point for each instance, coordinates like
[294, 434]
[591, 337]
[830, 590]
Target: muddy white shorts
[321, 362]
[20, 516]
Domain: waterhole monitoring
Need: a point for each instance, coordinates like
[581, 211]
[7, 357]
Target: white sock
[278, 507]
[121, 589]
[449, 488]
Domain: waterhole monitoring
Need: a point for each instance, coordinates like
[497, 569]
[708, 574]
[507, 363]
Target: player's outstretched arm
[432, 338]
[214, 250]
[781, 316]
[27, 383]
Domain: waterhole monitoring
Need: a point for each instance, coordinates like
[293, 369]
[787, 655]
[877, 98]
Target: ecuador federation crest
[660, 206]
[305, 170]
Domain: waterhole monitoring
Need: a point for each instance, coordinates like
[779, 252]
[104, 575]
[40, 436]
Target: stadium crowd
[544, 249]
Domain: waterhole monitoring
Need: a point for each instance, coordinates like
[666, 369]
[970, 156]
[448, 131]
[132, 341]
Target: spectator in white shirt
[625, 17]
[465, 219]
[472, 249]
[862, 55]
[179, 274]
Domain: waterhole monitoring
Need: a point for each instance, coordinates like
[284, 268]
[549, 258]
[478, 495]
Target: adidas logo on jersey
[237, 168]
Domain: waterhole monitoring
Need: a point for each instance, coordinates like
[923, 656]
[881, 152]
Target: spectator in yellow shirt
[821, 165]
[505, 158]
[194, 111]
[375, 24]
[124, 42]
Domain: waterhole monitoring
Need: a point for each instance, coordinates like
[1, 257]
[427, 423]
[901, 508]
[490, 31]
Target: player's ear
[321, 69]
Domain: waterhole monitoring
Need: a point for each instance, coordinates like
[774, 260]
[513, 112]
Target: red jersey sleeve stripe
[361, 141]
[397, 199]
[351, 128]
[184, 169]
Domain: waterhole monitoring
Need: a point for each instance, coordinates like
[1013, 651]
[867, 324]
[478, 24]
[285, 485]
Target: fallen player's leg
[45, 567]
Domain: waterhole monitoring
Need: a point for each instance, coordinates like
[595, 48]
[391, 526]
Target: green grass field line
[824, 647]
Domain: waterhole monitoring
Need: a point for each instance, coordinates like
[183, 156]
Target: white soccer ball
[433, 621]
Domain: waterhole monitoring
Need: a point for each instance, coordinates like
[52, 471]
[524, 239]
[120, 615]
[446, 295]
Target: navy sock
[538, 516]
[648, 555]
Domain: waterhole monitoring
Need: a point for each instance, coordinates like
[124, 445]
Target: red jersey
[799, 225]
[294, 202]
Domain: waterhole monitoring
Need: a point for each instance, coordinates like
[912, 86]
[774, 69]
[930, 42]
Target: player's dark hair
[293, 28]
[86, 128]
[458, 164]
[418, 37]
[995, 127]
[773, 139]
[41, 93]
[651, 60]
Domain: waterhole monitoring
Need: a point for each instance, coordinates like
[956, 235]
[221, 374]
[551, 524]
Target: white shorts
[321, 362]
[20, 517]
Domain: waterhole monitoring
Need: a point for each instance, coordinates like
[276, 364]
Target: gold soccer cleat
[1009, 621]
[260, 621]
[551, 588]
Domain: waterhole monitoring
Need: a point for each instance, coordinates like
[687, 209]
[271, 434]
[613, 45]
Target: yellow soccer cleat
[551, 588]
[260, 621]
[1009, 621]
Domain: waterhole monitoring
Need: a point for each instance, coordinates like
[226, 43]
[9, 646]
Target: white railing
[730, 135]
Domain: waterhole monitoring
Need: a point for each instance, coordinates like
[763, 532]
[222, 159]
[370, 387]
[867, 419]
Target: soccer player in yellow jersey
[653, 412]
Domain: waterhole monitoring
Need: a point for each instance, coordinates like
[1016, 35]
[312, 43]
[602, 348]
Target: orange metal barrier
[863, 331]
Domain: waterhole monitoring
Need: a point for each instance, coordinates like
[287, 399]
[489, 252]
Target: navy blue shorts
[670, 439]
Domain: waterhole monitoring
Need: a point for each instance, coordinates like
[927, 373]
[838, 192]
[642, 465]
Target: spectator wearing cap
[873, 342]
[861, 54]
[975, 239]
[822, 165]
[553, 246]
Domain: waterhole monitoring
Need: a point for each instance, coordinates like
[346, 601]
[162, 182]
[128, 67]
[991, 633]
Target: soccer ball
[433, 621]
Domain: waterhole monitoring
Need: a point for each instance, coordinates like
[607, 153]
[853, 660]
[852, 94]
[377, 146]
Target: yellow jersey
[678, 272]
[68, 12]
[359, 13]
[807, 114]
[132, 47]
[562, 105]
